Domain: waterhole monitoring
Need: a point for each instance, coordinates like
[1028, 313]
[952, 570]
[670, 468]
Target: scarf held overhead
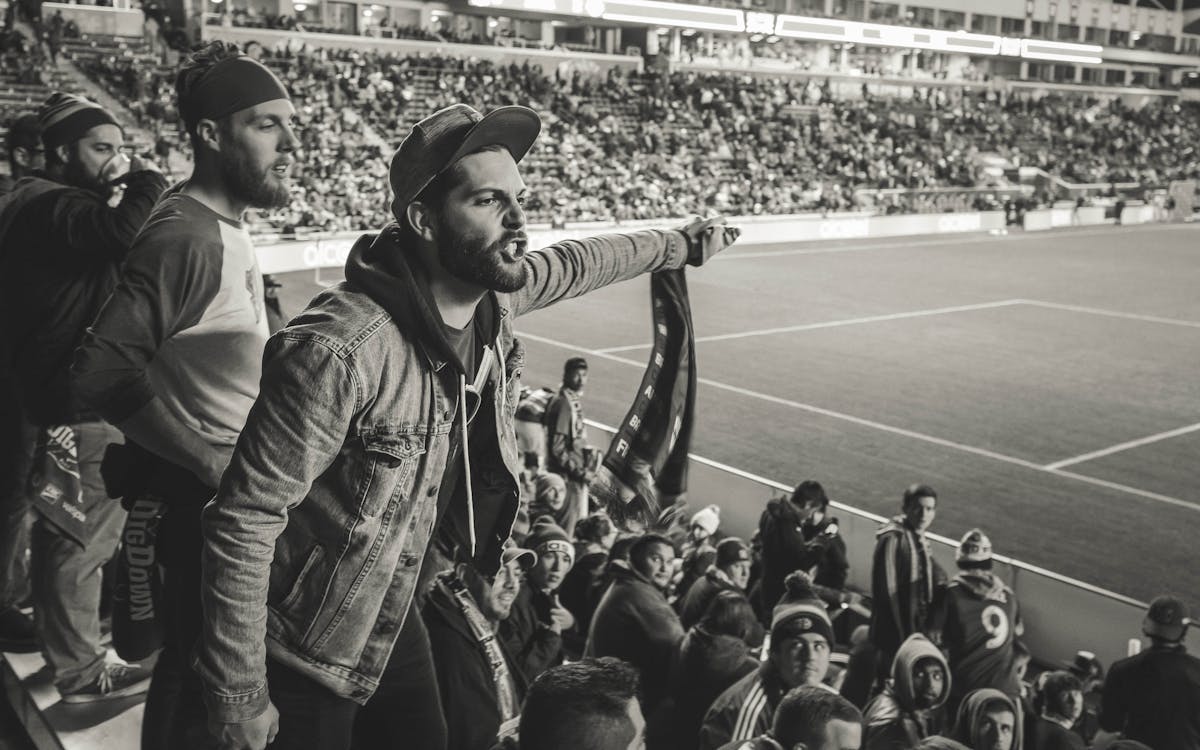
[656, 434]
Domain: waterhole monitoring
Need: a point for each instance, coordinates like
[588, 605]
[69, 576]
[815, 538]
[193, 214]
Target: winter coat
[902, 584]
[1049, 735]
[527, 635]
[701, 594]
[634, 622]
[892, 719]
[745, 710]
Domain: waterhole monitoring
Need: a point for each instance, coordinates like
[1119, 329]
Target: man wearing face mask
[64, 246]
[175, 356]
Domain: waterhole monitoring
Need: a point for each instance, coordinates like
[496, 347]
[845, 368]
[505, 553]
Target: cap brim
[1170, 633]
[527, 558]
[514, 127]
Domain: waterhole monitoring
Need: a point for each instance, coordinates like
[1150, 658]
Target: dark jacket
[634, 622]
[527, 635]
[1154, 698]
[789, 545]
[575, 593]
[707, 665]
[701, 594]
[1048, 735]
[464, 677]
[62, 253]
[892, 719]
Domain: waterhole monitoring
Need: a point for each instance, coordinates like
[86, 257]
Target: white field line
[961, 447]
[1124, 446]
[952, 543]
[981, 237]
[1111, 313]
[831, 324]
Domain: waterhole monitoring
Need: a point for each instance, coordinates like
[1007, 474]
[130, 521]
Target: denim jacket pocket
[298, 585]
[390, 462]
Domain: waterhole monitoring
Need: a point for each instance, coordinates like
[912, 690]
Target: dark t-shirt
[1154, 698]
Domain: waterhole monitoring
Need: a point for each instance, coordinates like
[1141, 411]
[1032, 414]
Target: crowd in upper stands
[623, 146]
[621, 622]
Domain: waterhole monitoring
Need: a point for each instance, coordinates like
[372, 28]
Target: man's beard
[466, 258]
[258, 190]
[75, 174]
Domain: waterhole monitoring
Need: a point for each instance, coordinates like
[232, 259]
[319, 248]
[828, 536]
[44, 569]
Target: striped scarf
[506, 694]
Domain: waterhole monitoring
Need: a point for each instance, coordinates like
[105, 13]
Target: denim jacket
[314, 542]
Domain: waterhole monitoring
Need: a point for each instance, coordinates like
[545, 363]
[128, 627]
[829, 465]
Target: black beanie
[65, 118]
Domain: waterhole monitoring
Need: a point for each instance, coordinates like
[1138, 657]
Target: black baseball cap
[437, 142]
[1166, 619]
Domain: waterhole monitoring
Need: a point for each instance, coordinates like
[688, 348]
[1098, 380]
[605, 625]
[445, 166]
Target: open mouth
[514, 250]
[282, 170]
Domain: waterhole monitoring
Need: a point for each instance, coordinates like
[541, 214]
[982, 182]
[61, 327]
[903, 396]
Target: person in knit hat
[801, 642]
[534, 630]
[64, 242]
[699, 549]
[976, 620]
[730, 571]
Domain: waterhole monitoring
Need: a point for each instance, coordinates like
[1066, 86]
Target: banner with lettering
[648, 457]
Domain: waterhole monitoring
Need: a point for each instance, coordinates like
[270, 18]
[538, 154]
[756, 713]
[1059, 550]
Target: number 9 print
[995, 624]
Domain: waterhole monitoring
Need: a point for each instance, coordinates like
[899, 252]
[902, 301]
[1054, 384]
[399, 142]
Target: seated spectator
[699, 549]
[911, 706]
[987, 720]
[533, 631]
[594, 537]
[550, 499]
[729, 572]
[859, 678]
[588, 705]
[801, 641]
[477, 675]
[812, 719]
[976, 620]
[714, 654]
[798, 533]
[1090, 672]
[1059, 704]
[1154, 697]
[635, 622]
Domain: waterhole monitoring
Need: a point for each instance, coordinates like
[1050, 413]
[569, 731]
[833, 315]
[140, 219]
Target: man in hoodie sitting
[801, 641]
[635, 622]
[481, 689]
[988, 720]
[976, 620]
[911, 706]
[533, 632]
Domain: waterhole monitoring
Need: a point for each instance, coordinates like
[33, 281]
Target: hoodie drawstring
[466, 451]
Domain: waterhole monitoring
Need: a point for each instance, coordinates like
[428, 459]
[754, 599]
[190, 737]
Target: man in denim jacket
[385, 412]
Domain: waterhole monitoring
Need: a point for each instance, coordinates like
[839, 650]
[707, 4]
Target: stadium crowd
[619, 147]
[369, 533]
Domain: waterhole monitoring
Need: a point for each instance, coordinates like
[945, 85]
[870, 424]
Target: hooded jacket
[971, 711]
[746, 709]
[329, 502]
[634, 622]
[789, 544]
[893, 720]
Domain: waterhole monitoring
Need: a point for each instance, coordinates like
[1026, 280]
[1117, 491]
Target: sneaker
[17, 634]
[114, 681]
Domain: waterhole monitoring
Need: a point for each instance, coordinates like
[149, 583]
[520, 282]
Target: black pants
[405, 712]
[175, 717]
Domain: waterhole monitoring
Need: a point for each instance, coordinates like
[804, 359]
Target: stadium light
[300, 7]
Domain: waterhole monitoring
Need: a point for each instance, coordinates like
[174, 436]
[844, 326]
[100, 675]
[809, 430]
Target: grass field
[1045, 384]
